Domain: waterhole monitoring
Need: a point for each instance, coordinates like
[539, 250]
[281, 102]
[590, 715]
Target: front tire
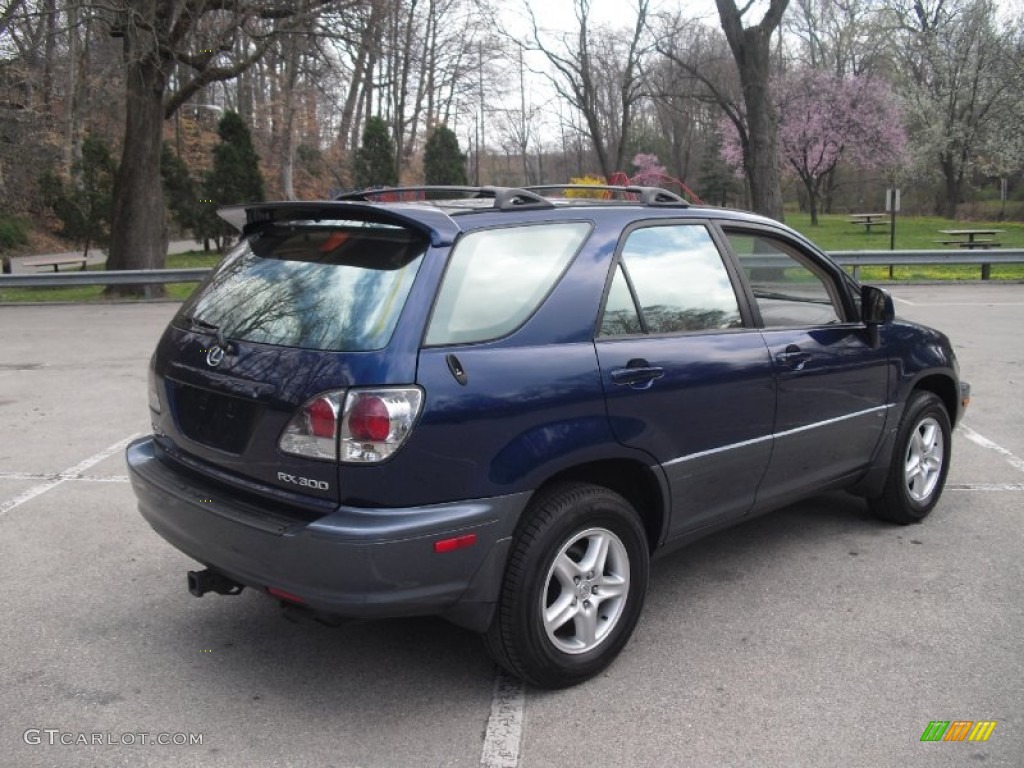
[920, 462]
[573, 589]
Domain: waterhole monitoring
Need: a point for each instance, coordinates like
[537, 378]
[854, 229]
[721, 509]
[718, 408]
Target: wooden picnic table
[54, 261]
[975, 238]
[868, 220]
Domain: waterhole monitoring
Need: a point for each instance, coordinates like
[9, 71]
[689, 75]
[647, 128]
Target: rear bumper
[355, 562]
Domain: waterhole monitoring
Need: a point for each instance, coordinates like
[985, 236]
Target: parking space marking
[963, 303]
[1014, 461]
[505, 725]
[985, 487]
[72, 473]
[60, 475]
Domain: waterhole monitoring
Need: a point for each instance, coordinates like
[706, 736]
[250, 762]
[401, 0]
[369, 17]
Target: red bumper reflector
[459, 542]
[281, 594]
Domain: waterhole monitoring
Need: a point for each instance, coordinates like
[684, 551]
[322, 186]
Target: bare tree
[693, 86]
[843, 37]
[600, 76]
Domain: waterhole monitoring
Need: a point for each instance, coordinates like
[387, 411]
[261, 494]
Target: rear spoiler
[433, 222]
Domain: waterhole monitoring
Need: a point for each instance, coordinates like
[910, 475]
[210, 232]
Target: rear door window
[670, 279]
[335, 286]
[496, 278]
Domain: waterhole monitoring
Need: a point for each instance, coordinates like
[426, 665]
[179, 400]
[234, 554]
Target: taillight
[359, 426]
[313, 431]
[322, 418]
[376, 422]
[154, 393]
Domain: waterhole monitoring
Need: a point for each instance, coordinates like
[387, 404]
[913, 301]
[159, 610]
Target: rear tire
[920, 462]
[573, 588]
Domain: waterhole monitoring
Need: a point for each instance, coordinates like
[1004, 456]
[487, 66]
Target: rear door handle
[794, 357]
[640, 373]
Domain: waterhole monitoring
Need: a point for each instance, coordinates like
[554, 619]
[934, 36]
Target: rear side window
[335, 286]
[496, 278]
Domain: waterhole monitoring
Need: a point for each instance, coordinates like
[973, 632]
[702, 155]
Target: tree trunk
[953, 183]
[751, 48]
[813, 187]
[135, 242]
[71, 100]
[50, 47]
[246, 96]
[762, 162]
[287, 146]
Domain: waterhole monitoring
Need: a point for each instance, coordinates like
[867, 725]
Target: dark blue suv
[496, 404]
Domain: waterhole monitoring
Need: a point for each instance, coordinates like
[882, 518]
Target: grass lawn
[835, 233]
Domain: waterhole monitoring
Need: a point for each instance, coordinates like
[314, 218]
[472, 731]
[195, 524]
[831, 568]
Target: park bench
[55, 261]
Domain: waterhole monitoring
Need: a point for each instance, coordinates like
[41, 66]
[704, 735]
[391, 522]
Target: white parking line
[62, 476]
[985, 487]
[1014, 461]
[72, 473]
[964, 303]
[505, 725]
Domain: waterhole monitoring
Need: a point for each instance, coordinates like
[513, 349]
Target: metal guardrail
[983, 257]
[102, 277]
[856, 259]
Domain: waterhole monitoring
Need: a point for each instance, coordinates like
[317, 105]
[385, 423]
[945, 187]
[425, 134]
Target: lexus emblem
[214, 355]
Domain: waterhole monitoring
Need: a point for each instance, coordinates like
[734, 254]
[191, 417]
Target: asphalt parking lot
[815, 636]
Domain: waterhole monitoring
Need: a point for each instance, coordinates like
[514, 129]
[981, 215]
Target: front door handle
[794, 357]
[637, 372]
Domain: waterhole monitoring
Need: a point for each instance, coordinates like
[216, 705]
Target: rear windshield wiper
[198, 322]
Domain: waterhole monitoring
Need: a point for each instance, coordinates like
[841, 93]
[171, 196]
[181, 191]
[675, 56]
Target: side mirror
[876, 309]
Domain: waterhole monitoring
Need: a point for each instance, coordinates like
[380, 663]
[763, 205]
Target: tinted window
[790, 290]
[679, 279]
[620, 315]
[337, 287]
[496, 278]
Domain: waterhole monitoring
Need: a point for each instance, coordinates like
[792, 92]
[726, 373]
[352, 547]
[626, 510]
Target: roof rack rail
[505, 198]
[646, 195]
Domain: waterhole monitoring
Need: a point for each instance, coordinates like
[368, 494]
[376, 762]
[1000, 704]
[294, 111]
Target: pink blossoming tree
[825, 119]
[649, 170]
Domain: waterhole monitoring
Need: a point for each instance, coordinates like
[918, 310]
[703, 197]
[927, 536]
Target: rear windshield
[337, 286]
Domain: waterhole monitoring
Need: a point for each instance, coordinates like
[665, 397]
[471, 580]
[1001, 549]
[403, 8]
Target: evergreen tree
[717, 182]
[84, 207]
[235, 178]
[181, 193]
[374, 164]
[443, 161]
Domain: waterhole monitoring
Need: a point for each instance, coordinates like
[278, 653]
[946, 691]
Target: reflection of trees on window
[662, 319]
[315, 288]
[676, 275]
[620, 322]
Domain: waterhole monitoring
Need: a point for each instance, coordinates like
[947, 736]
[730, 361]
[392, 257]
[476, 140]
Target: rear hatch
[311, 301]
